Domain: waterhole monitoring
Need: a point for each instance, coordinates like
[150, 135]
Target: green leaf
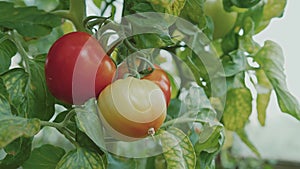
[5, 109]
[271, 10]
[234, 63]
[174, 108]
[14, 159]
[264, 89]
[48, 5]
[7, 51]
[243, 136]
[15, 82]
[230, 42]
[186, 145]
[237, 109]
[46, 157]
[177, 149]
[81, 158]
[28, 91]
[208, 143]
[197, 16]
[42, 45]
[26, 19]
[97, 3]
[148, 36]
[114, 161]
[15, 127]
[88, 122]
[271, 60]
[172, 7]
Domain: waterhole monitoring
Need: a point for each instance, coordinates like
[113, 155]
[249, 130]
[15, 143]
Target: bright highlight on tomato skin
[77, 68]
[130, 107]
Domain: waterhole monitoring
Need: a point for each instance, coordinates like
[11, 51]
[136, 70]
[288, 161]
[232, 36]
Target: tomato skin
[129, 107]
[77, 68]
[160, 77]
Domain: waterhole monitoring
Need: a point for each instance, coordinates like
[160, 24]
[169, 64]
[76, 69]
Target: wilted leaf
[264, 89]
[271, 60]
[237, 109]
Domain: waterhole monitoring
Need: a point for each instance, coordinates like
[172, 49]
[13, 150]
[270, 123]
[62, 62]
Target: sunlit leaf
[264, 89]
[272, 9]
[238, 108]
[172, 7]
[271, 60]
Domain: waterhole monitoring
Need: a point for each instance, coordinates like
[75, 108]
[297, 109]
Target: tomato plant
[77, 68]
[53, 53]
[131, 107]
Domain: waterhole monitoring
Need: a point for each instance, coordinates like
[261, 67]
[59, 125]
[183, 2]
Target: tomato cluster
[77, 69]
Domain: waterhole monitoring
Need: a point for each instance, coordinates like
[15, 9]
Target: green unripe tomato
[223, 21]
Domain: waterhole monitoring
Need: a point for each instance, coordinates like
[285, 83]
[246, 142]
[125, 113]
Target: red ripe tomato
[160, 77]
[77, 68]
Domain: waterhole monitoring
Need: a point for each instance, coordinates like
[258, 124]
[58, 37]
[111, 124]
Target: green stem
[76, 14]
[51, 124]
[68, 117]
[62, 127]
[68, 136]
[21, 51]
[180, 120]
